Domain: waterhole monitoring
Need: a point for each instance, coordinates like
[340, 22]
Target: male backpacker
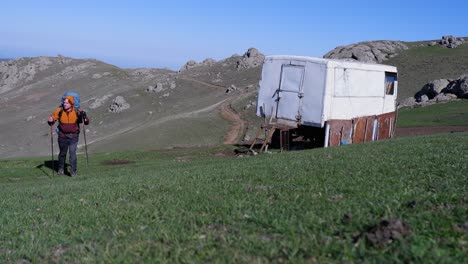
[70, 117]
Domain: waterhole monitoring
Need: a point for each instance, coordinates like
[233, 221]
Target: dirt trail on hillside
[151, 122]
[227, 112]
[238, 125]
[203, 83]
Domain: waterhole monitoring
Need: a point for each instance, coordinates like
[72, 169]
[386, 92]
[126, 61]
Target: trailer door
[290, 92]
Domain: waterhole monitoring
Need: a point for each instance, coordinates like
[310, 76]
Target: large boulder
[444, 97]
[370, 52]
[458, 87]
[432, 89]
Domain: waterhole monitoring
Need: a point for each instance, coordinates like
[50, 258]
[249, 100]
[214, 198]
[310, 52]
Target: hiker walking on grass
[68, 130]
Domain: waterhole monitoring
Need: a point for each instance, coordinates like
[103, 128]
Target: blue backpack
[75, 96]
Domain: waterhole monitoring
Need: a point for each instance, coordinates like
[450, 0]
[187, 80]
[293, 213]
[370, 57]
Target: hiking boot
[60, 172]
[73, 174]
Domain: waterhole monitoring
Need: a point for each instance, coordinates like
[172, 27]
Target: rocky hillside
[198, 105]
[129, 108]
[383, 50]
[369, 52]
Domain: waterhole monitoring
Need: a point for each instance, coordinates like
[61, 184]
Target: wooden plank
[271, 131]
[256, 138]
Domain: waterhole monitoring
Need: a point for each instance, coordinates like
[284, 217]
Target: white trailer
[348, 102]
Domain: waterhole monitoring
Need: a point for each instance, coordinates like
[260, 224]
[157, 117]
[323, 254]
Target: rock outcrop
[451, 41]
[161, 86]
[432, 89]
[188, 65]
[231, 89]
[437, 91]
[118, 105]
[459, 87]
[155, 88]
[192, 64]
[370, 52]
[252, 58]
[208, 62]
[99, 101]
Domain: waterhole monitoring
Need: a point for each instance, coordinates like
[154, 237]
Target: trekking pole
[52, 148]
[86, 145]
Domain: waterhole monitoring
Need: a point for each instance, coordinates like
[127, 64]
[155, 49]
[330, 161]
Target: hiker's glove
[84, 117]
[50, 121]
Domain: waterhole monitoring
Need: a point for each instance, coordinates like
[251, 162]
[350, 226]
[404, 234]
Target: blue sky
[168, 33]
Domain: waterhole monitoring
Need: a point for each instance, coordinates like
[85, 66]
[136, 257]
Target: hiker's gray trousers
[66, 144]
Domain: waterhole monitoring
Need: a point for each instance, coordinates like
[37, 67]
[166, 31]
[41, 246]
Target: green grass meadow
[200, 205]
[453, 113]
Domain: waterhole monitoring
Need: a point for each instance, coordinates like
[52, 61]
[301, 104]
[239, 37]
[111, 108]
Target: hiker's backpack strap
[78, 116]
[60, 113]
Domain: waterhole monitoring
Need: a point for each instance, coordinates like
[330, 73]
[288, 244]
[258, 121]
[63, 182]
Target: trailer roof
[335, 62]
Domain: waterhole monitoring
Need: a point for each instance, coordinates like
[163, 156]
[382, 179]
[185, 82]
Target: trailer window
[390, 80]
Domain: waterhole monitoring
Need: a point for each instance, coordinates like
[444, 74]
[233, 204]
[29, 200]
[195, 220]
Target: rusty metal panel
[346, 132]
[335, 135]
[359, 129]
[369, 128]
[340, 130]
[385, 125]
[392, 116]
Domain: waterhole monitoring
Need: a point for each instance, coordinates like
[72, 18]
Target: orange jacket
[69, 121]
